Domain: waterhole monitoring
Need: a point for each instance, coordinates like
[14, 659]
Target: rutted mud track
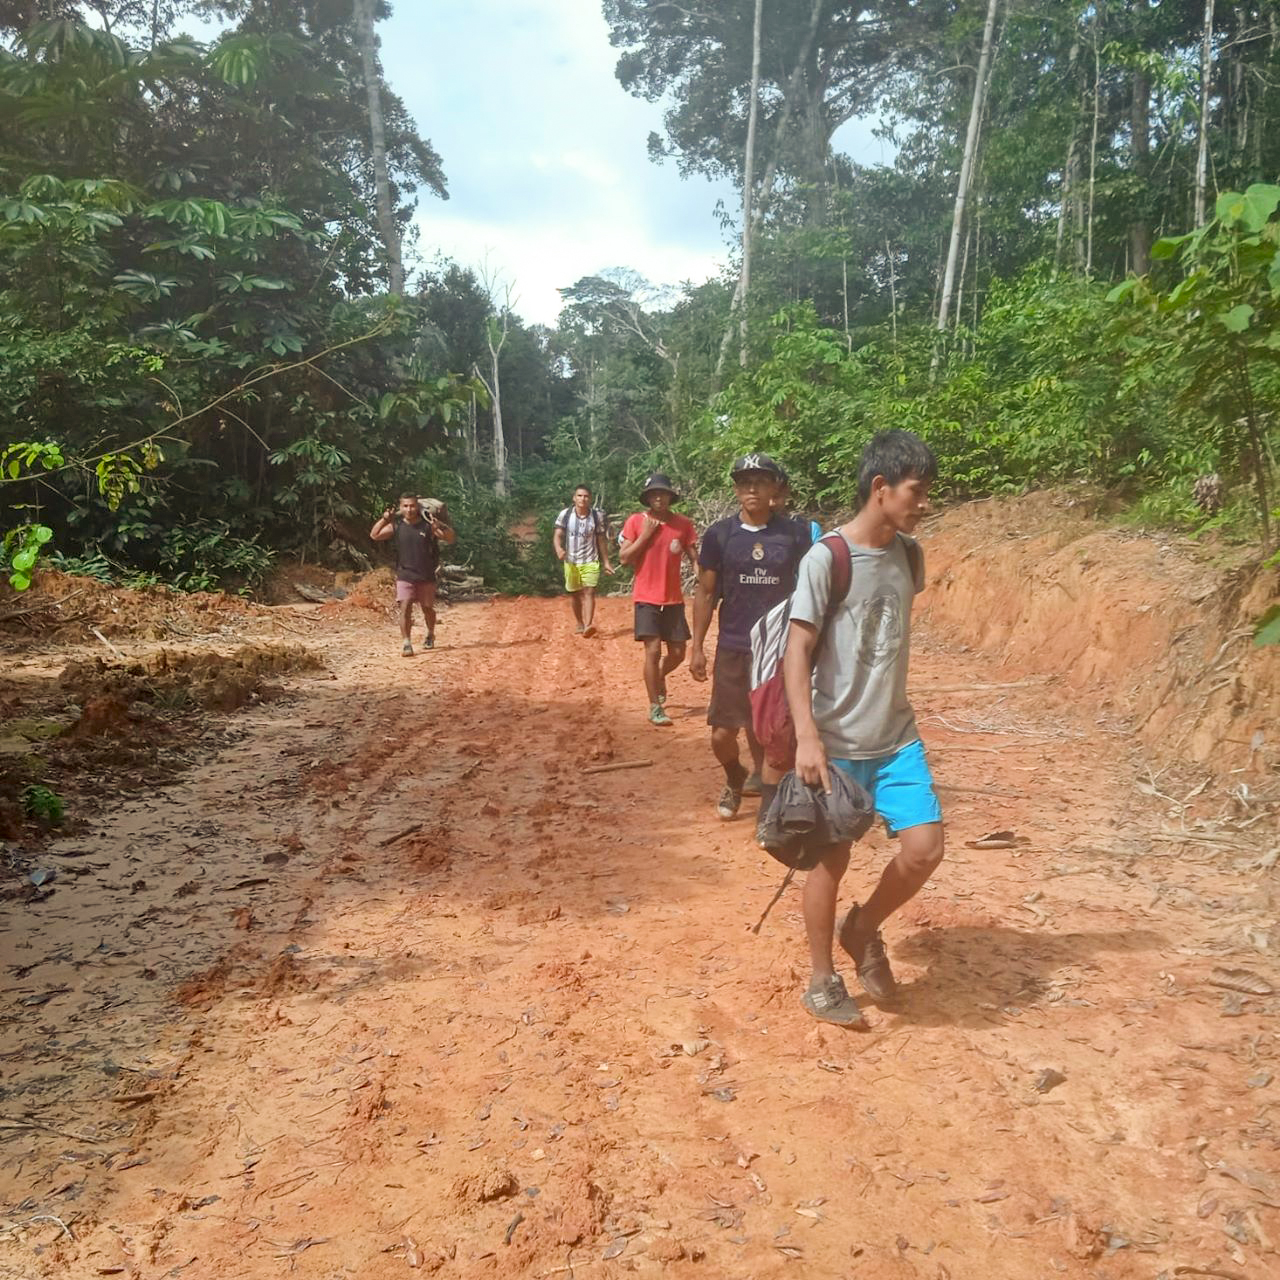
[535, 1036]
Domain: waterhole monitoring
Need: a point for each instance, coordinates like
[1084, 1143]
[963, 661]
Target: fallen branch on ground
[620, 764]
[400, 835]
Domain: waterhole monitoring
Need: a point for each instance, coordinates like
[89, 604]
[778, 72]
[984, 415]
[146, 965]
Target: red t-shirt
[658, 573]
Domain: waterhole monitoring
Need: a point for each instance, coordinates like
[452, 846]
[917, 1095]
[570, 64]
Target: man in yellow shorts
[582, 543]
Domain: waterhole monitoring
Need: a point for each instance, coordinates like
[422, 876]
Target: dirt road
[534, 1036]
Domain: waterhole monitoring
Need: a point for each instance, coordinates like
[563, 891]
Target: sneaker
[730, 800]
[872, 964]
[760, 831]
[577, 631]
[830, 1001]
[406, 649]
[429, 642]
[658, 716]
[751, 787]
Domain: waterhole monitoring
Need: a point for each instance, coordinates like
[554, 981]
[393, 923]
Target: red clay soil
[395, 985]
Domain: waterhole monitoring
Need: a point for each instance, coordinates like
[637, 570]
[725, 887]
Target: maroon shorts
[423, 593]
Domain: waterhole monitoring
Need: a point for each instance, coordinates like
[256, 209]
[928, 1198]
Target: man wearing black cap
[654, 542]
[747, 564]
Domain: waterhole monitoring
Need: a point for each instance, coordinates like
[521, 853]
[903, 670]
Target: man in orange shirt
[654, 542]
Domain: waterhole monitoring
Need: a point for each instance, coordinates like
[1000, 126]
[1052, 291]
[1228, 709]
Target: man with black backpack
[582, 545]
[845, 672]
[747, 563]
[417, 545]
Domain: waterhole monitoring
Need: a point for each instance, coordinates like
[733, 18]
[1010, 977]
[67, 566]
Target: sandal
[830, 1001]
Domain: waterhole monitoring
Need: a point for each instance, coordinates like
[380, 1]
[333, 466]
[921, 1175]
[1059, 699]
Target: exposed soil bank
[1150, 628]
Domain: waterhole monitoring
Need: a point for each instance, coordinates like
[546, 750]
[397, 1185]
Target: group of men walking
[844, 664]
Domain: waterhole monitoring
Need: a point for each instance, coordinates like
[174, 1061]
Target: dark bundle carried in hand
[803, 822]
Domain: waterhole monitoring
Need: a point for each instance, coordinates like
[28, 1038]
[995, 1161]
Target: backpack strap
[915, 559]
[841, 580]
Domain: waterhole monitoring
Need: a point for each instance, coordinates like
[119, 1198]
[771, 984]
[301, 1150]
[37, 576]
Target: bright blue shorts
[900, 785]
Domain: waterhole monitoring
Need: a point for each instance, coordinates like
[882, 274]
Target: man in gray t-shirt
[845, 671]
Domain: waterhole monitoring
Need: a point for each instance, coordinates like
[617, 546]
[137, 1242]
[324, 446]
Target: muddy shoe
[658, 716]
[871, 961]
[589, 630]
[578, 630]
[429, 642]
[406, 649]
[829, 1001]
[751, 787]
[729, 803]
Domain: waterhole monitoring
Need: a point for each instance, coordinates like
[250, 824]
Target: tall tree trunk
[748, 180]
[1093, 140]
[1140, 158]
[761, 199]
[966, 165]
[1206, 79]
[893, 291]
[364, 15]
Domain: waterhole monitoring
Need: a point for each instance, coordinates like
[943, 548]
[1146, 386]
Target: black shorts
[665, 621]
[730, 706]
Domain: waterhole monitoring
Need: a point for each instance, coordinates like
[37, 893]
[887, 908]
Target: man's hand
[609, 569]
[561, 553]
[811, 763]
[651, 526]
[389, 513]
[698, 664]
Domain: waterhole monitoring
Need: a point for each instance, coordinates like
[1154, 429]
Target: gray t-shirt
[860, 680]
[580, 535]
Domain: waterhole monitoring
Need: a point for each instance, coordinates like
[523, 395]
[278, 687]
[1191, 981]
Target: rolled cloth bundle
[431, 507]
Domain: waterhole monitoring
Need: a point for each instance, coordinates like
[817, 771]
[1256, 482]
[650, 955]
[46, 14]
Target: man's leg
[404, 618]
[675, 656]
[827, 997]
[917, 859]
[427, 599]
[653, 669]
[575, 600]
[724, 746]
[821, 887]
[588, 609]
[757, 753]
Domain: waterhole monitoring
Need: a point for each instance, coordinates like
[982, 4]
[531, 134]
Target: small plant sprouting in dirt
[43, 803]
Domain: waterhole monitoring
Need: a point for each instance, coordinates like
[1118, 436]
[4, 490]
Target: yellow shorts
[577, 576]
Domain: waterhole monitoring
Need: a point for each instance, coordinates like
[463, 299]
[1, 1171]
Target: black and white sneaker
[730, 802]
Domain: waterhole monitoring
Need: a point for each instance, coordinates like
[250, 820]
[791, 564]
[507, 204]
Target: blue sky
[546, 154]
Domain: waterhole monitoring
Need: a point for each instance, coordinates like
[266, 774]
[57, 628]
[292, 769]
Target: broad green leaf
[1237, 319]
[1250, 210]
[1122, 290]
[1268, 628]
[1168, 246]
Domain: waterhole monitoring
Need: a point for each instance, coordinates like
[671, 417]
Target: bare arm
[557, 541]
[630, 552]
[444, 532]
[704, 604]
[384, 526]
[602, 546]
[797, 679]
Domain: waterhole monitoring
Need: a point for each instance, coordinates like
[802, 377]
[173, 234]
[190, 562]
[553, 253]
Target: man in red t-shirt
[654, 542]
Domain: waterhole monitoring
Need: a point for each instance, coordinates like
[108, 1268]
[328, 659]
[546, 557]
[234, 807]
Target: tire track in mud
[534, 1032]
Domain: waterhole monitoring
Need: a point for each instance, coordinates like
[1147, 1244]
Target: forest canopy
[224, 338]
